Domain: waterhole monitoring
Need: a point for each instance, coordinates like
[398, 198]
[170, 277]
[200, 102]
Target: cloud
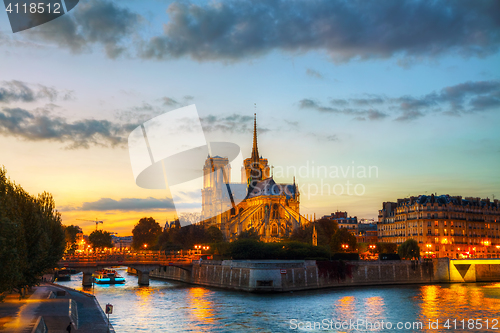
[96, 22]
[359, 114]
[125, 204]
[409, 115]
[339, 102]
[313, 73]
[18, 91]
[32, 126]
[170, 101]
[139, 113]
[344, 30]
[464, 98]
[228, 124]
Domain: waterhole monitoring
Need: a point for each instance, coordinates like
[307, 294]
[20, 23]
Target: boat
[62, 274]
[107, 276]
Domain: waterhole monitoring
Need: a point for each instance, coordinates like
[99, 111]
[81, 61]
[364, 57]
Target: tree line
[148, 234]
[32, 238]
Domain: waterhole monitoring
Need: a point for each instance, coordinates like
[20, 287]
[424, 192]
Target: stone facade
[258, 202]
[292, 275]
[444, 226]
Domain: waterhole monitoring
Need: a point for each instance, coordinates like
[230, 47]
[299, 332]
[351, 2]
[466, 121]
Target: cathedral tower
[254, 168]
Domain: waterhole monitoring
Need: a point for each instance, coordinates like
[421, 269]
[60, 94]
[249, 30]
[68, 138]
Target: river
[166, 306]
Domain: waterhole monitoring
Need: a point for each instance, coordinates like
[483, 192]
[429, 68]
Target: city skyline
[419, 105]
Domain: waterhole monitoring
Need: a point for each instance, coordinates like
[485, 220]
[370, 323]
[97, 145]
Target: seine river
[176, 307]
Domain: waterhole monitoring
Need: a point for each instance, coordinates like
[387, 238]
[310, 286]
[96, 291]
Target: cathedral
[257, 202]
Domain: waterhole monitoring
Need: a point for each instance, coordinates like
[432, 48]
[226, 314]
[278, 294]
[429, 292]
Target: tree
[249, 234]
[386, 247]
[409, 250]
[325, 229]
[32, 238]
[343, 237]
[71, 231]
[146, 232]
[100, 239]
[214, 235]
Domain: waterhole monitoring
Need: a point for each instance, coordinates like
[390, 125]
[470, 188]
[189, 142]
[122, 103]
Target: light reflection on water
[175, 307]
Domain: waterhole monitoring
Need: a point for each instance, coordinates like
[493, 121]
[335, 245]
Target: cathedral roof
[269, 187]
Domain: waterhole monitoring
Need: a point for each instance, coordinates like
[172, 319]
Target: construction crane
[95, 221]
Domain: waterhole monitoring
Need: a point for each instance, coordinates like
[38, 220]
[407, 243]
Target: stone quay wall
[294, 275]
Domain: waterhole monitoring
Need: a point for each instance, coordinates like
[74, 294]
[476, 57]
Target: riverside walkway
[51, 308]
[143, 262]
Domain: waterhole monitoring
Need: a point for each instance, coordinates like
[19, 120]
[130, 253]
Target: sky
[404, 93]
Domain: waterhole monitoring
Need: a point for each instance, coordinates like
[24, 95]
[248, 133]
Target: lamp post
[345, 247]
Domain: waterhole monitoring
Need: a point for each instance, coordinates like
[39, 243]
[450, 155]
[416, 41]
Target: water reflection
[201, 308]
[374, 309]
[344, 308]
[175, 307]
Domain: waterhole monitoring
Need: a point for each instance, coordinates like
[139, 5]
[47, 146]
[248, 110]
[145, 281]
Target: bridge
[142, 262]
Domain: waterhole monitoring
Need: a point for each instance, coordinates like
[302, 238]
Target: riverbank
[268, 276]
[264, 276]
[52, 307]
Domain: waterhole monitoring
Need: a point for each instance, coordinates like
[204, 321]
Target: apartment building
[444, 226]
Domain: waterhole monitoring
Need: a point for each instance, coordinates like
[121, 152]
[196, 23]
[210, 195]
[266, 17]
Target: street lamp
[345, 247]
[145, 246]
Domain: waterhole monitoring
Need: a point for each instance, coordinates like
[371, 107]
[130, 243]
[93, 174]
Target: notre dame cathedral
[257, 202]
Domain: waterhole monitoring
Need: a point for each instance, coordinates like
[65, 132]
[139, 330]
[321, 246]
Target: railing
[128, 257]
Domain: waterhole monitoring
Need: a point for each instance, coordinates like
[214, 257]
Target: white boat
[107, 276]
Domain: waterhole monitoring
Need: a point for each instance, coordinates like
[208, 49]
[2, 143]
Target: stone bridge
[142, 262]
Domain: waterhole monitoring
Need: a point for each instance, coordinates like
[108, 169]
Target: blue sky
[411, 87]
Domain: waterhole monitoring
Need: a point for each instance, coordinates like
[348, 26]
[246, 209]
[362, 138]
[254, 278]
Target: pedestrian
[69, 327]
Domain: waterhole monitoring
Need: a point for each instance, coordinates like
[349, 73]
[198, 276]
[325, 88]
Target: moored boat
[107, 276]
[62, 274]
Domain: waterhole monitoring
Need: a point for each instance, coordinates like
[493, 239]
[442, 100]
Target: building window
[435, 223]
[274, 230]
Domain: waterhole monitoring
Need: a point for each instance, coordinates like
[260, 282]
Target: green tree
[32, 238]
[409, 250]
[343, 236]
[187, 237]
[70, 232]
[386, 247]
[249, 234]
[325, 229]
[100, 239]
[214, 235]
[146, 232]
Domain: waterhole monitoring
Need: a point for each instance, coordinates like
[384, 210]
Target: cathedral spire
[255, 150]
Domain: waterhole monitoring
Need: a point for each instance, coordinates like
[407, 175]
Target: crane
[95, 221]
